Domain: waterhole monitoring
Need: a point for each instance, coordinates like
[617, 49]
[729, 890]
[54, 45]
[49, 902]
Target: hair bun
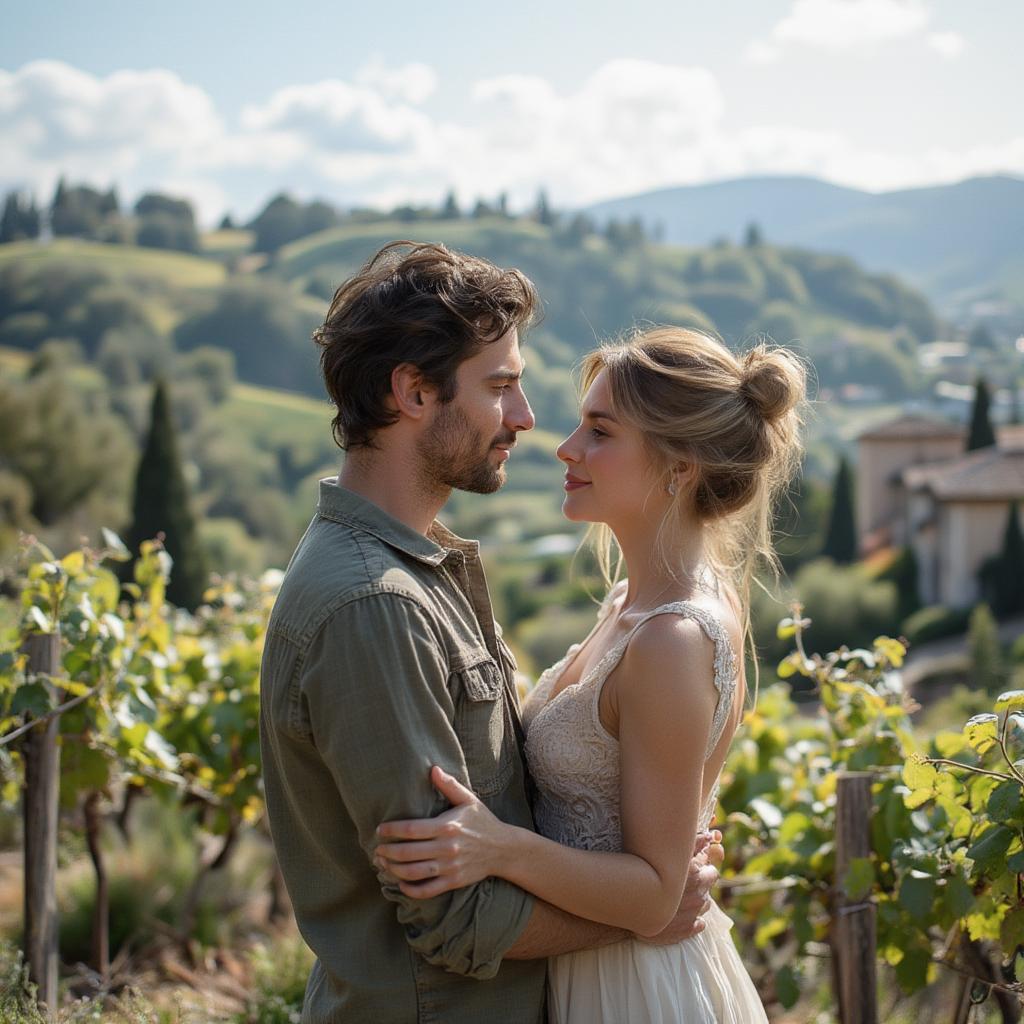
[773, 381]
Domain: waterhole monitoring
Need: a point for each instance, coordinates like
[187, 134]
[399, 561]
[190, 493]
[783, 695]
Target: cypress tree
[1002, 576]
[981, 434]
[10, 221]
[841, 535]
[161, 506]
[985, 653]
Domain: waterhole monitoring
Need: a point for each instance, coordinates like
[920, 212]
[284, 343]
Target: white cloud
[758, 51]
[336, 116]
[411, 83]
[630, 126]
[946, 44]
[57, 119]
[849, 25]
[844, 24]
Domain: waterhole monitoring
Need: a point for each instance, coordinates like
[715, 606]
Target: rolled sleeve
[374, 682]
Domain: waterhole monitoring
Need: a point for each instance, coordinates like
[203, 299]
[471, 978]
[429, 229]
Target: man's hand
[708, 854]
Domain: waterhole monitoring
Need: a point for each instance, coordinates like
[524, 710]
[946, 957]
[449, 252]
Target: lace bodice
[573, 759]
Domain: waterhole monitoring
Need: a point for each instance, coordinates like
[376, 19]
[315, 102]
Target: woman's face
[609, 477]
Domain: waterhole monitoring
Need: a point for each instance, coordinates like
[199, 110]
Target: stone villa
[916, 486]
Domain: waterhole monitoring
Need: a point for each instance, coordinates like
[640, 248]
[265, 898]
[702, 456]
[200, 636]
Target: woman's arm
[666, 702]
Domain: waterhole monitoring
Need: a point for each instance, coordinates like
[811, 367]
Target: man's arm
[374, 683]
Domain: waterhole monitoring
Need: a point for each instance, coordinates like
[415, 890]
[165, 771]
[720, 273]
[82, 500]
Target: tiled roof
[911, 427]
[989, 474]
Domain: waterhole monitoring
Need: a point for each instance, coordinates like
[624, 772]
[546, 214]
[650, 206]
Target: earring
[671, 488]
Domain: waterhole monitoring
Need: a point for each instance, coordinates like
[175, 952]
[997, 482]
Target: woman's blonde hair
[737, 418]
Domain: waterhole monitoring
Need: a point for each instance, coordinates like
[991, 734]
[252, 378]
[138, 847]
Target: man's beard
[457, 457]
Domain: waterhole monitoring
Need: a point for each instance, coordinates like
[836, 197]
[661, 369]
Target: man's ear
[411, 395]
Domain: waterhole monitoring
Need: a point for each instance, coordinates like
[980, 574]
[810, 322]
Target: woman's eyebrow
[597, 414]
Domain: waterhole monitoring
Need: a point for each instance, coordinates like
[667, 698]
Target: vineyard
[110, 699]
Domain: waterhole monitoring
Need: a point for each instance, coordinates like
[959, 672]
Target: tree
[166, 223]
[981, 433]
[226, 223]
[20, 218]
[79, 211]
[985, 653]
[543, 214]
[841, 535]
[161, 505]
[753, 237]
[450, 207]
[1002, 576]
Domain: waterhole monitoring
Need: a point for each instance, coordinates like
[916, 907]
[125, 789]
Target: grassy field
[349, 245]
[128, 262]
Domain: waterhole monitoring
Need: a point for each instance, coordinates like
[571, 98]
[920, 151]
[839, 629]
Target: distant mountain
[958, 243]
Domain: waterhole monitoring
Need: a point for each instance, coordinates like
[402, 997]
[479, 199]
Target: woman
[681, 448]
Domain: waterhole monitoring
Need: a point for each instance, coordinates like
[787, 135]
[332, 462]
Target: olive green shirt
[382, 658]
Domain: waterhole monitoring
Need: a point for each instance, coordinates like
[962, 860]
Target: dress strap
[726, 670]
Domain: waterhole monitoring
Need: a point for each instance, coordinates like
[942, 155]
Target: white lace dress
[575, 764]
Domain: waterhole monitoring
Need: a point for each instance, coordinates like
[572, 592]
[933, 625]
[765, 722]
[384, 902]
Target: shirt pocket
[482, 721]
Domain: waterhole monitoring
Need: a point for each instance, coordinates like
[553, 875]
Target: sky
[228, 103]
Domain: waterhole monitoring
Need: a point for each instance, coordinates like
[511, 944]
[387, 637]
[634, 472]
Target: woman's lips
[572, 484]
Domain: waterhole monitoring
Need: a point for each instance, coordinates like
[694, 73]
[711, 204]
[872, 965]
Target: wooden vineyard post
[42, 785]
[854, 922]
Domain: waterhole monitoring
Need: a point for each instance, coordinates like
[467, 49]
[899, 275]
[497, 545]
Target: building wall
[969, 533]
[879, 461]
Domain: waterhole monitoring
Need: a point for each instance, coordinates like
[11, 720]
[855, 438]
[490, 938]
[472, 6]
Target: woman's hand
[430, 856]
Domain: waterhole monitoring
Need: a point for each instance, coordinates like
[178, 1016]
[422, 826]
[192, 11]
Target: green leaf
[794, 825]
[32, 697]
[958, 897]
[917, 893]
[773, 927]
[892, 650]
[74, 563]
[1016, 862]
[912, 970]
[1006, 802]
[1011, 931]
[949, 744]
[787, 986]
[981, 731]
[1012, 700]
[988, 852]
[918, 774]
[860, 877]
[918, 798]
[1018, 967]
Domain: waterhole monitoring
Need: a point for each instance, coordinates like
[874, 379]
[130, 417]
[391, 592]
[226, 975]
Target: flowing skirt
[699, 981]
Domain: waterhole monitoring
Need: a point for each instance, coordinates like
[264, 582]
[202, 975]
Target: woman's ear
[411, 395]
[683, 476]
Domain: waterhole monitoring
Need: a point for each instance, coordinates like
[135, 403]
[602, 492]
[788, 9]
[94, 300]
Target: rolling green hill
[126, 262]
[958, 242]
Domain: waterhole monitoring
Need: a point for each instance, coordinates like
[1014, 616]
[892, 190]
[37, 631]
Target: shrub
[934, 622]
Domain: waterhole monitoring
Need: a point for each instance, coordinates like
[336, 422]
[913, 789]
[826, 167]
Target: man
[383, 657]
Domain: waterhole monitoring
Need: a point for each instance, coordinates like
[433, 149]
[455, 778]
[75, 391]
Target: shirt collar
[342, 505]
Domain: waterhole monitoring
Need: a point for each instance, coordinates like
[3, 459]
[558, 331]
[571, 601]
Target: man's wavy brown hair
[415, 303]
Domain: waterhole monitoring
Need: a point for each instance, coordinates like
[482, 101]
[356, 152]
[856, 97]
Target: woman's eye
[597, 432]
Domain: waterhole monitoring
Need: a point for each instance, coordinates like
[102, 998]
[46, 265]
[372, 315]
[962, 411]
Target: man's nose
[520, 416]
